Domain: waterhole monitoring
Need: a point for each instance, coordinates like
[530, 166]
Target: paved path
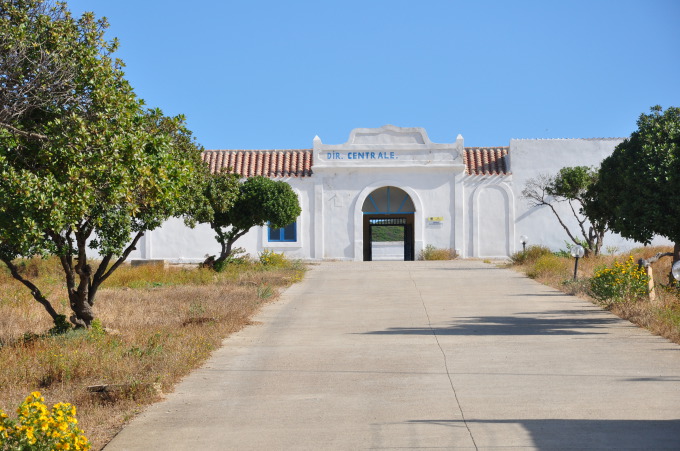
[424, 355]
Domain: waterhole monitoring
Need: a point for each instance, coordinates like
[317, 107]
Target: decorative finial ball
[577, 251]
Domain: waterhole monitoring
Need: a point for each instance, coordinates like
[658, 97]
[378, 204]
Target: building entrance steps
[424, 355]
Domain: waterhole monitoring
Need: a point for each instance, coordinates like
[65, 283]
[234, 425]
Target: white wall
[392, 156]
[530, 158]
[481, 216]
[176, 242]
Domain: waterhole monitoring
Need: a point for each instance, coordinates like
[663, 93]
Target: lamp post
[577, 252]
[524, 240]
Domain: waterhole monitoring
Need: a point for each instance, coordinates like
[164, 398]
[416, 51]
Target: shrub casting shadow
[509, 325]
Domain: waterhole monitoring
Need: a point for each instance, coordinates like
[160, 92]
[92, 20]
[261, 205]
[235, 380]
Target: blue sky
[271, 75]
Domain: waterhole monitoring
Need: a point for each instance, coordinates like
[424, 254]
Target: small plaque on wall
[435, 220]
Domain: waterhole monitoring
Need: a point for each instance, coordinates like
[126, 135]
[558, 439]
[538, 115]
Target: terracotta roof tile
[269, 163]
[299, 162]
[486, 160]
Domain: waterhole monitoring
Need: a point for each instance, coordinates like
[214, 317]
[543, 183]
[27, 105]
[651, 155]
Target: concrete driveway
[424, 355]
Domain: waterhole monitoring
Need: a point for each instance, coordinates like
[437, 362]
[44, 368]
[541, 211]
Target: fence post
[650, 288]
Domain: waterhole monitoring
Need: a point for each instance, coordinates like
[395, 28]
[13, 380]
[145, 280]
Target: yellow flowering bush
[39, 429]
[623, 281]
[271, 258]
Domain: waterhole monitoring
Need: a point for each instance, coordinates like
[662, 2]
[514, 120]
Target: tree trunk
[81, 304]
[82, 299]
[226, 240]
[598, 242]
[225, 252]
[594, 240]
[82, 310]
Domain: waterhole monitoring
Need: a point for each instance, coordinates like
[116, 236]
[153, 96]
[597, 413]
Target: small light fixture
[577, 252]
[524, 240]
[676, 270]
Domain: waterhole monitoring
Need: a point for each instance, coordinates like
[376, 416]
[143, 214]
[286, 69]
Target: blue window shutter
[285, 234]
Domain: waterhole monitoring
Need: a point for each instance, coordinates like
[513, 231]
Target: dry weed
[158, 325]
[661, 316]
[432, 253]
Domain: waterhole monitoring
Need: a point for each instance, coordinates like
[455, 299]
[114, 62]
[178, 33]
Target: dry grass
[432, 253]
[160, 324]
[661, 317]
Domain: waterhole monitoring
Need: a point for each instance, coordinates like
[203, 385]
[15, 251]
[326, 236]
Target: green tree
[571, 186]
[236, 207]
[82, 162]
[638, 190]
[219, 191]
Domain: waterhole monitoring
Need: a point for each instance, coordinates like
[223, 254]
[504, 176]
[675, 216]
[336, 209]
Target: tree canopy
[82, 162]
[638, 190]
[570, 186]
[236, 207]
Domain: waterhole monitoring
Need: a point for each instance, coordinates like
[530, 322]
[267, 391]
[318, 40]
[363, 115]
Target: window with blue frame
[286, 234]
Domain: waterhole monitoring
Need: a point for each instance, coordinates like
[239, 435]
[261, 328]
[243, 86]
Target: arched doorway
[388, 225]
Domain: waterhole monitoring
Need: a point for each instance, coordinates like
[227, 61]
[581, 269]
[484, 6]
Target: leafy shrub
[432, 253]
[546, 265]
[567, 252]
[619, 282]
[529, 256]
[562, 253]
[37, 428]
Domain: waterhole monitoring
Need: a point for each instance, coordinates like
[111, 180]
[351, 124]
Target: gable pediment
[389, 146]
[389, 135]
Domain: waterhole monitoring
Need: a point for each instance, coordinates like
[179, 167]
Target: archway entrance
[388, 225]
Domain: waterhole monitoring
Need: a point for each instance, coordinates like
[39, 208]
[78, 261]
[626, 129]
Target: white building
[443, 195]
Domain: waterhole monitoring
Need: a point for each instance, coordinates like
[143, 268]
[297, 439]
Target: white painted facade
[478, 215]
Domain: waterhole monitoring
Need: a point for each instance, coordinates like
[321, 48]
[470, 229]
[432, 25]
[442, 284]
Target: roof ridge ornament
[389, 135]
